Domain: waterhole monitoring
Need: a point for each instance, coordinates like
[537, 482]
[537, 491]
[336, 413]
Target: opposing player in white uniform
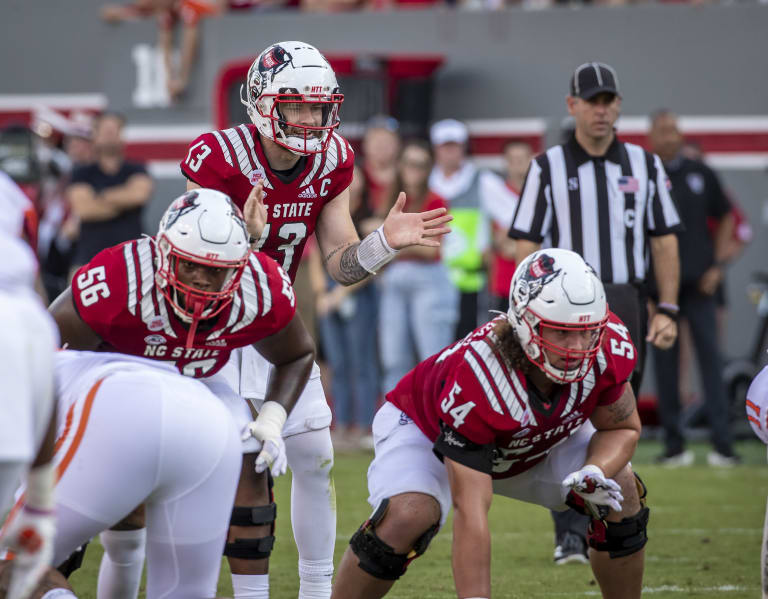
[757, 414]
[300, 168]
[26, 410]
[135, 431]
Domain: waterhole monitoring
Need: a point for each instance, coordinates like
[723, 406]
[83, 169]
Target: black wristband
[668, 313]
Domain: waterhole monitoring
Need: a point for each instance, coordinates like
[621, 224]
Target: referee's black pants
[699, 310]
[628, 302]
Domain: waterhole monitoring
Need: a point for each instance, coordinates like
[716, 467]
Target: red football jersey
[116, 295]
[232, 161]
[466, 398]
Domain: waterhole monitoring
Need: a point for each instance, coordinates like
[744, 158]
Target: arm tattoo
[334, 252]
[622, 409]
[350, 270]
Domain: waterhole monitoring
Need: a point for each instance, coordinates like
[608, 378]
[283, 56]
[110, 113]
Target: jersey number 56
[92, 285]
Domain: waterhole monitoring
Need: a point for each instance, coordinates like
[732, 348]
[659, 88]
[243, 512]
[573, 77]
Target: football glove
[29, 533]
[268, 428]
[598, 492]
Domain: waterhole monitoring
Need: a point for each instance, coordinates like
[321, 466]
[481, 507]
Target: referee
[608, 201]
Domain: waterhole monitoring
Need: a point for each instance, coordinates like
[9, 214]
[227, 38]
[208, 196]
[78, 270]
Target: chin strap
[198, 311]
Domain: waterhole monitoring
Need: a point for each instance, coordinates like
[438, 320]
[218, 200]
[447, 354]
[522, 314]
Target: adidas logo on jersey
[217, 342]
[308, 193]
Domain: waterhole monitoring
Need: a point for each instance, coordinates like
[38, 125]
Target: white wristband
[271, 418]
[374, 251]
[41, 482]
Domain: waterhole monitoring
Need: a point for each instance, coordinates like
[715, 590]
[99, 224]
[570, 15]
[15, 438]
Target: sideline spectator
[109, 194]
[476, 198]
[517, 159]
[345, 316]
[381, 146]
[418, 303]
[699, 196]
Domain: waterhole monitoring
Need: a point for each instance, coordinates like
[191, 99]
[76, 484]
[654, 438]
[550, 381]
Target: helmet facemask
[570, 365]
[190, 303]
[284, 111]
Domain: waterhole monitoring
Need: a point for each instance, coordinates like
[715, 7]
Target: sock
[122, 563]
[315, 579]
[250, 586]
[59, 594]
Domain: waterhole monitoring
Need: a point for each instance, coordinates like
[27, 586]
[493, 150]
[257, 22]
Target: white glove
[596, 490]
[268, 428]
[29, 533]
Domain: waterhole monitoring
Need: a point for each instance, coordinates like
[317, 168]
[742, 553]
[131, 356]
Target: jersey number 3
[92, 285]
[292, 233]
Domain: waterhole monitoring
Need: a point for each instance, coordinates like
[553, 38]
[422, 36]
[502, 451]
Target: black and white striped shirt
[603, 208]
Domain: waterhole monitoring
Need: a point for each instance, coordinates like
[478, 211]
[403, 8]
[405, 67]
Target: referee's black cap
[592, 78]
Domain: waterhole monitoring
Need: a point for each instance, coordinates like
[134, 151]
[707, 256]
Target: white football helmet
[285, 83]
[202, 226]
[555, 292]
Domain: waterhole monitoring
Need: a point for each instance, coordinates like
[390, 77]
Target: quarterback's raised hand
[402, 229]
[268, 428]
[595, 489]
[255, 212]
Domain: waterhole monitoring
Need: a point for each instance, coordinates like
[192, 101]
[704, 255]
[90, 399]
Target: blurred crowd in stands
[179, 21]
[88, 197]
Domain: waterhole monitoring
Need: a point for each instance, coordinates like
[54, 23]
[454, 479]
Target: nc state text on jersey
[292, 210]
[186, 353]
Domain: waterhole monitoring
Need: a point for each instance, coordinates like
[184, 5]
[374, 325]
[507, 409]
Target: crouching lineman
[134, 431]
[757, 414]
[533, 406]
[188, 297]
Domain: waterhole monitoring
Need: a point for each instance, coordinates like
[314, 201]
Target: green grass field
[705, 531]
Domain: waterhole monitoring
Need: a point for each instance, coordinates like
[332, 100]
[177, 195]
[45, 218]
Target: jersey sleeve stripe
[257, 166]
[482, 378]
[343, 145]
[247, 142]
[250, 301]
[331, 157]
[147, 280]
[317, 160]
[130, 269]
[224, 148]
[246, 135]
[240, 151]
[516, 408]
[152, 301]
[266, 294]
[574, 391]
[602, 362]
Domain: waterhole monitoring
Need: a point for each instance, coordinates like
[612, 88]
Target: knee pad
[623, 538]
[376, 557]
[259, 548]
